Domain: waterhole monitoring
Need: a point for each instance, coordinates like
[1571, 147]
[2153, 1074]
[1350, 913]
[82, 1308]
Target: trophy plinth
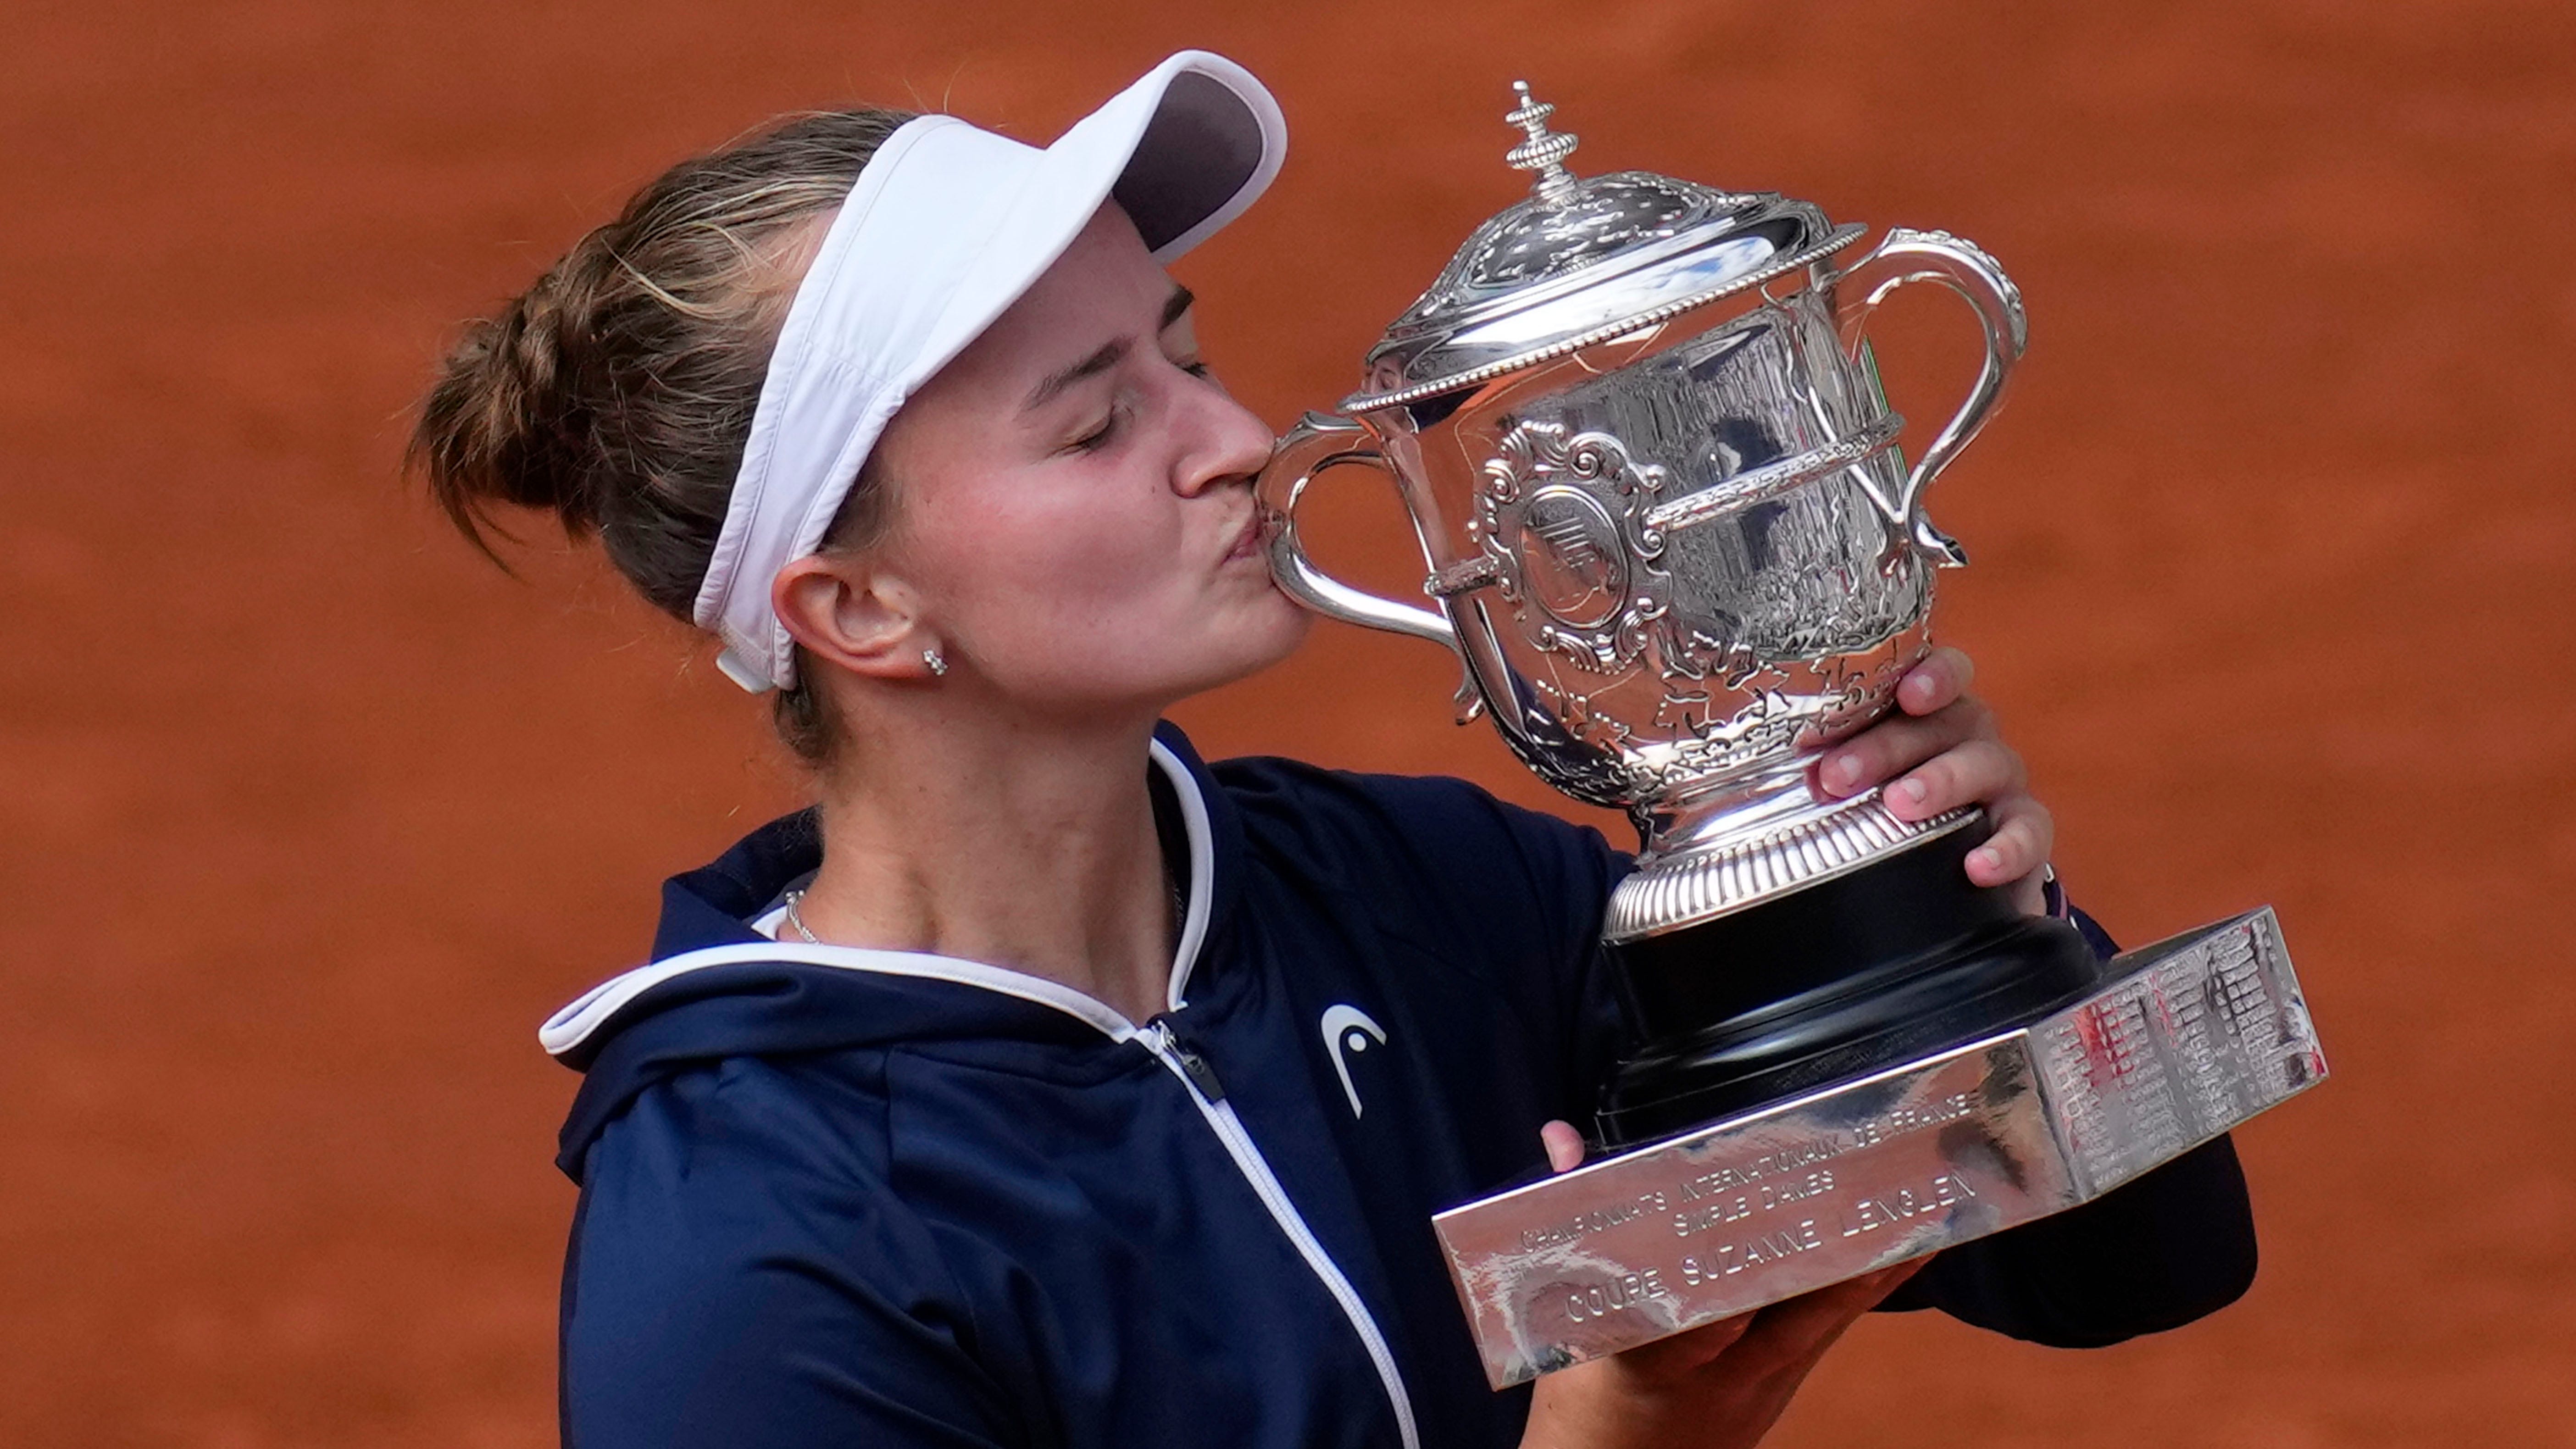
[2179, 1042]
[1669, 532]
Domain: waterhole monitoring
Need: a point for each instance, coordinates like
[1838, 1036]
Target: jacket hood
[718, 988]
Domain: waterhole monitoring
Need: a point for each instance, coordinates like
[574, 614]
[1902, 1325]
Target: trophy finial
[1545, 150]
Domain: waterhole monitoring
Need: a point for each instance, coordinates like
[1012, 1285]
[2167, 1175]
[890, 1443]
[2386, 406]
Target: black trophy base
[1896, 961]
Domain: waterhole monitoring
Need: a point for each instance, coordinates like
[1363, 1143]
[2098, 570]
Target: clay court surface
[310, 816]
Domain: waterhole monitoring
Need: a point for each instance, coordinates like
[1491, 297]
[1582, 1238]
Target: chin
[1253, 641]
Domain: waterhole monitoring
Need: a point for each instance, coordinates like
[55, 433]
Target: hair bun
[618, 392]
[503, 425]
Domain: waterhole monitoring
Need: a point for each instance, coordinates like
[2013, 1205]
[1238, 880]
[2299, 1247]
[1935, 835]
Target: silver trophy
[1669, 531]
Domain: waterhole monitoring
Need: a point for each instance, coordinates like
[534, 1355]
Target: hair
[618, 391]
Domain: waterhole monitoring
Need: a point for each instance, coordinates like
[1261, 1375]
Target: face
[1073, 509]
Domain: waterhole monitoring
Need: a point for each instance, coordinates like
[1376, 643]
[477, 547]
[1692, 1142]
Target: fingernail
[1912, 791]
[1841, 772]
[1985, 858]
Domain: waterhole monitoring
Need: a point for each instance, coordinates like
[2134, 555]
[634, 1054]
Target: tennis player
[1046, 1085]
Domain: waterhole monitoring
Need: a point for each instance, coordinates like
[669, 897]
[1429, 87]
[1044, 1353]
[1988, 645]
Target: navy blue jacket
[856, 1198]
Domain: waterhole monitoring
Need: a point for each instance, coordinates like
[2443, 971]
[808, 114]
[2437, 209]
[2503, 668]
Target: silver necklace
[796, 919]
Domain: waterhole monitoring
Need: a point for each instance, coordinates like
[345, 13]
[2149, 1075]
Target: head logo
[1347, 1033]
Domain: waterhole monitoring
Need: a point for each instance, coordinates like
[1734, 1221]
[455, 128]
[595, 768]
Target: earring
[931, 657]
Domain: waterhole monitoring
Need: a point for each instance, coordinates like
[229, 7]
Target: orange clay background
[309, 816]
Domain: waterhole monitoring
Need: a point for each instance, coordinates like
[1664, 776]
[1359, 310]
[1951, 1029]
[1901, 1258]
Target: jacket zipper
[1208, 1093]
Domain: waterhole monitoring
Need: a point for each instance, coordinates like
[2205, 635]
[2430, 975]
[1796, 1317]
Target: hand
[1719, 1386]
[1941, 750]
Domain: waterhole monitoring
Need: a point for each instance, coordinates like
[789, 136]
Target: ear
[850, 615]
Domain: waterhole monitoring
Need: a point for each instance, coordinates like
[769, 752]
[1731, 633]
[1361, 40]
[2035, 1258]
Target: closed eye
[1098, 437]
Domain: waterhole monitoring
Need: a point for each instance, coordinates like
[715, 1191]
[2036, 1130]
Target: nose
[1227, 441]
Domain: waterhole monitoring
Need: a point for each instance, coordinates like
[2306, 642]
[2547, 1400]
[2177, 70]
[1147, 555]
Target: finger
[1835, 1302]
[1782, 1348]
[1785, 1329]
[1786, 1339]
[1941, 677]
[1564, 1146]
[1975, 771]
[1764, 1369]
[1900, 742]
[1687, 1352]
[2025, 835]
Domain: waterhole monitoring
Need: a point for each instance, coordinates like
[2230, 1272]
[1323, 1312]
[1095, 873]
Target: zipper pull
[1168, 1045]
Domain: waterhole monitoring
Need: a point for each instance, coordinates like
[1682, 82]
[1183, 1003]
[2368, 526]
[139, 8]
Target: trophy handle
[1905, 255]
[1320, 441]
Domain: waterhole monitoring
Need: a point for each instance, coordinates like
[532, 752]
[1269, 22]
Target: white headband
[947, 226]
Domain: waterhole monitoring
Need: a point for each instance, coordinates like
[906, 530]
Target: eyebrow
[1105, 357]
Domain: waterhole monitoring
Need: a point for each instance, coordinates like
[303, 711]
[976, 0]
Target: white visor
[946, 227]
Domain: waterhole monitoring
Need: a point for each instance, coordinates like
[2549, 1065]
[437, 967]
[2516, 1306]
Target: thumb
[1564, 1146]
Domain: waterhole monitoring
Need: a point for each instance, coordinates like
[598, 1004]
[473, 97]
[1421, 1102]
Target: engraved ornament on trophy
[1670, 532]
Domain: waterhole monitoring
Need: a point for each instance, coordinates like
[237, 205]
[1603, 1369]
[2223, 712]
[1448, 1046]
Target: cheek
[1035, 574]
[1086, 561]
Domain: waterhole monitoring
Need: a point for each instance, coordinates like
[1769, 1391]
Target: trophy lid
[1582, 260]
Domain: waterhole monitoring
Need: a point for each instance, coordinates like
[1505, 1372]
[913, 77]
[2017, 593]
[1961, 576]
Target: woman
[986, 1103]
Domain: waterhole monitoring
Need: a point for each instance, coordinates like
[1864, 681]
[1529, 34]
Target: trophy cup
[1671, 536]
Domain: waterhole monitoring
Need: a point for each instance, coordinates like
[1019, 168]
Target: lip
[1247, 540]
